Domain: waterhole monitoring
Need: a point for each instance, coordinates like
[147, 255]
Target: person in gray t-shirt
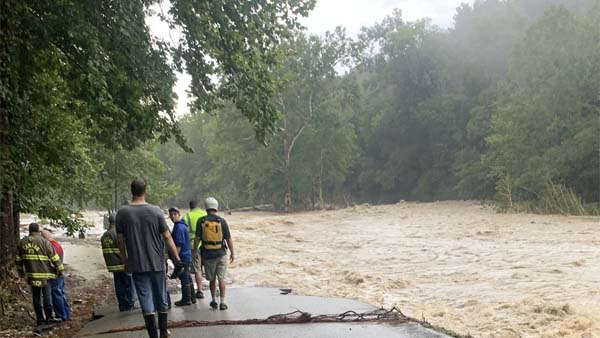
[142, 235]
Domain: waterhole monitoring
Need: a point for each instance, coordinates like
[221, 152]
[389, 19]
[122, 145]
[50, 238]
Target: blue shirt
[181, 237]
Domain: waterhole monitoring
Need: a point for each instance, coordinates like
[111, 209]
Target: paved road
[259, 303]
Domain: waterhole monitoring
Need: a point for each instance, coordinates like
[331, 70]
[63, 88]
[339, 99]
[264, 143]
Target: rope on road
[296, 317]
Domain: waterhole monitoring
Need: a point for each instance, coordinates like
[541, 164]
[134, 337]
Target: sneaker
[223, 306]
[213, 304]
[199, 295]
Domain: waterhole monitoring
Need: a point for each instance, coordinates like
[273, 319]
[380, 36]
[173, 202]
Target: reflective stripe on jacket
[111, 252]
[37, 259]
[191, 218]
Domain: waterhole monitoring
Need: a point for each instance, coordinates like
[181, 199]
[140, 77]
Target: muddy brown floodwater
[459, 265]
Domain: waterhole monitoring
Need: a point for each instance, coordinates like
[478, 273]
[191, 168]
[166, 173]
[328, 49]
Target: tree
[80, 73]
[545, 129]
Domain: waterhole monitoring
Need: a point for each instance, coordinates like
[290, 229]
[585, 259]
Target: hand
[178, 270]
[231, 258]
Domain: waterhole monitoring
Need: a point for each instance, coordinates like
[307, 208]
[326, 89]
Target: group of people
[138, 244]
[136, 247]
[40, 261]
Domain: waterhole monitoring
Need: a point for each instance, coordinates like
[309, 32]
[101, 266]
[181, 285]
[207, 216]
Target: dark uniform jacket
[38, 260]
[110, 250]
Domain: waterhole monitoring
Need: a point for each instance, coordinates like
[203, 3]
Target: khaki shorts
[215, 268]
[196, 263]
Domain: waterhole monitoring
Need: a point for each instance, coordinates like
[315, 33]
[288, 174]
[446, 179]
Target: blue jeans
[151, 288]
[124, 290]
[60, 302]
[186, 278]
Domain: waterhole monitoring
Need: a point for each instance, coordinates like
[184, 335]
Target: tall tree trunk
[321, 202]
[9, 218]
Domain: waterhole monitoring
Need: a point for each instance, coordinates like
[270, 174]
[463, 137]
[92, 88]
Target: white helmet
[211, 203]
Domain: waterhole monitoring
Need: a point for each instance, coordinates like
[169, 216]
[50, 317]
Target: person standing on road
[191, 218]
[181, 238]
[38, 262]
[213, 231]
[142, 233]
[124, 289]
[60, 303]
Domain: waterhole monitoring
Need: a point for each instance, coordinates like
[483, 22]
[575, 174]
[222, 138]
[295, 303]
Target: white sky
[328, 14]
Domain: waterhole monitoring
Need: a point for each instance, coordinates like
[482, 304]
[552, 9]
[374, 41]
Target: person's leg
[210, 268]
[47, 299]
[130, 291]
[197, 270]
[159, 292]
[221, 271]
[36, 293]
[65, 300]
[186, 290]
[59, 299]
[143, 285]
[120, 279]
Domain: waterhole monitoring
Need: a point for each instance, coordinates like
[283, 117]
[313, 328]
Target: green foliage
[546, 125]
[84, 81]
[495, 108]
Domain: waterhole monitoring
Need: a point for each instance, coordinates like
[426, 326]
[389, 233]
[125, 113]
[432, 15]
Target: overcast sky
[351, 14]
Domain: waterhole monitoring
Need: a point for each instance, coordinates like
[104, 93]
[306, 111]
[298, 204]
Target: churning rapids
[457, 264]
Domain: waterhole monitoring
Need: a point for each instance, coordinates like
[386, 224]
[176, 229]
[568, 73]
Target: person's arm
[171, 246]
[54, 257]
[177, 237]
[227, 236]
[120, 229]
[122, 249]
[198, 236]
[164, 230]
[230, 245]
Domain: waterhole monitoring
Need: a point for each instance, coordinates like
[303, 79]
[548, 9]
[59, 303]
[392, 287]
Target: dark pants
[59, 298]
[39, 292]
[124, 290]
[151, 288]
[185, 277]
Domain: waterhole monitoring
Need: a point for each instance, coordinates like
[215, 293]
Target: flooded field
[457, 264]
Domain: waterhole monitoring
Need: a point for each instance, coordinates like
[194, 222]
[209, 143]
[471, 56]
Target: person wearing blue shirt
[181, 238]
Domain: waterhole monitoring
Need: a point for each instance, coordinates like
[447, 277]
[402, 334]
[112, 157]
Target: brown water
[457, 264]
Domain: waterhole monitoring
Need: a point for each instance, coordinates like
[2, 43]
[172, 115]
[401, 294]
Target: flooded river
[457, 264]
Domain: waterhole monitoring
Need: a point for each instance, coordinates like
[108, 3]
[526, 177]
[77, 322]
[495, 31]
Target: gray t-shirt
[142, 226]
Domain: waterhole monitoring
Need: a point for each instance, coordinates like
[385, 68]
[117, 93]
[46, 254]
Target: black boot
[185, 296]
[151, 325]
[50, 319]
[162, 325]
[192, 293]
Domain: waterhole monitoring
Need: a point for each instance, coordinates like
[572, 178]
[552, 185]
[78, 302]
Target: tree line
[504, 106]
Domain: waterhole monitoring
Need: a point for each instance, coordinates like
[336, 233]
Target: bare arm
[122, 249]
[195, 247]
[230, 246]
[171, 246]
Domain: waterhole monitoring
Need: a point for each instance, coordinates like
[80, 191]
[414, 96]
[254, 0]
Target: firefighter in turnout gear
[38, 262]
[124, 288]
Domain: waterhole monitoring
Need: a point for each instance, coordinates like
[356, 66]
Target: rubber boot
[162, 325]
[50, 319]
[192, 293]
[151, 325]
[185, 296]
